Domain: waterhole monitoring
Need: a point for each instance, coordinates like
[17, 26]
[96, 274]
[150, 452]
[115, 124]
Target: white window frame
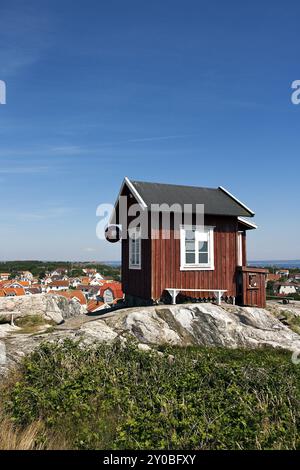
[132, 234]
[210, 266]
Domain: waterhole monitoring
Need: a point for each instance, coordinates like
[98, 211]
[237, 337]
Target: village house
[74, 282]
[25, 276]
[273, 277]
[295, 277]
[204, 264]
[11, 292]
[4, 276]
[58, 286]
[90, 292]
[20, 284]
[59, 272]
[111, 292]
[285, 288]
[47, 280]
[94, 306]
[96, 282]
[33, 290]
[90, 272]
[283, 272]
[97, 276]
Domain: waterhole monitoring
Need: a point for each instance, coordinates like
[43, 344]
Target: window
[196, 248]
[108, 296]
[135, 248]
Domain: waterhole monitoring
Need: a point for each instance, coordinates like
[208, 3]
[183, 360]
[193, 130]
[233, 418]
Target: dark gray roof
[217, 201]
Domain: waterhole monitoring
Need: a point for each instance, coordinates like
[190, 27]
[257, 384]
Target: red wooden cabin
[206, 264]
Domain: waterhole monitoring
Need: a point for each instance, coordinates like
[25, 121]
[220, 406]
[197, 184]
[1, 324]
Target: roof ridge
[173, 184]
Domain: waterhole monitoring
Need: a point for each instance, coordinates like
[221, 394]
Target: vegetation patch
[115, 397]
[31, 323]
[288, 318]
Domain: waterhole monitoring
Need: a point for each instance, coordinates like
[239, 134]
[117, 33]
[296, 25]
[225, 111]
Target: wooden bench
[174, 292]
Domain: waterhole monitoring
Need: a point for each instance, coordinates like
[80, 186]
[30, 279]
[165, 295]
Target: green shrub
[30, 320]
[111, 397]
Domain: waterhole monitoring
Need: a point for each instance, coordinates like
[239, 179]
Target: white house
[59, 272]
[58, 286]
[96, 282]
[75, 282]
[25, 276]
[20, 285]
[97, 276]
[286, 288]
[283, 272]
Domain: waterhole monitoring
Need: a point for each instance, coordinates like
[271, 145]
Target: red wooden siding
[165, 260]
[160, 264]
[136, 282]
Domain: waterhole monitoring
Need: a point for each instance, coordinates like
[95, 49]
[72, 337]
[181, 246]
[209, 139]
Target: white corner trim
[134, 192]
[236, 200]
[246, 222]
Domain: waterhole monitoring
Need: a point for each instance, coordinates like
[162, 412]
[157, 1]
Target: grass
[289, 317]
[32, 323]
[293, 321]
[71, 396]
[13, 438]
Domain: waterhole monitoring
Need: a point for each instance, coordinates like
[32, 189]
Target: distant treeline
[39, 268]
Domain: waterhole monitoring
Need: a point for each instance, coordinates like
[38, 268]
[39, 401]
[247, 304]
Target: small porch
[251, 286]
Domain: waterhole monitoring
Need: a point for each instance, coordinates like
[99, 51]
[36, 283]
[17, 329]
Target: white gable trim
[246, 222]
[236, 200]
[128, 183]
[138, 197]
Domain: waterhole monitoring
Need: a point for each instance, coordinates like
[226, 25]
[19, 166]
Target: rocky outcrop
[50, 307]
[181, 325]
[202, 325]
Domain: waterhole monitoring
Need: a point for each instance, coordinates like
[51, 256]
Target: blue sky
[186, 92]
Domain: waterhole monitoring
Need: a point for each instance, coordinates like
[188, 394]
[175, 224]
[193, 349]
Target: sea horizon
[287, 264]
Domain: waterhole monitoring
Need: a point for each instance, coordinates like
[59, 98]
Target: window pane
[203, 258]
[203, 247]
[135, 248]
[190, 258]
[189, 245]
[190, 235]
[202, 236]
